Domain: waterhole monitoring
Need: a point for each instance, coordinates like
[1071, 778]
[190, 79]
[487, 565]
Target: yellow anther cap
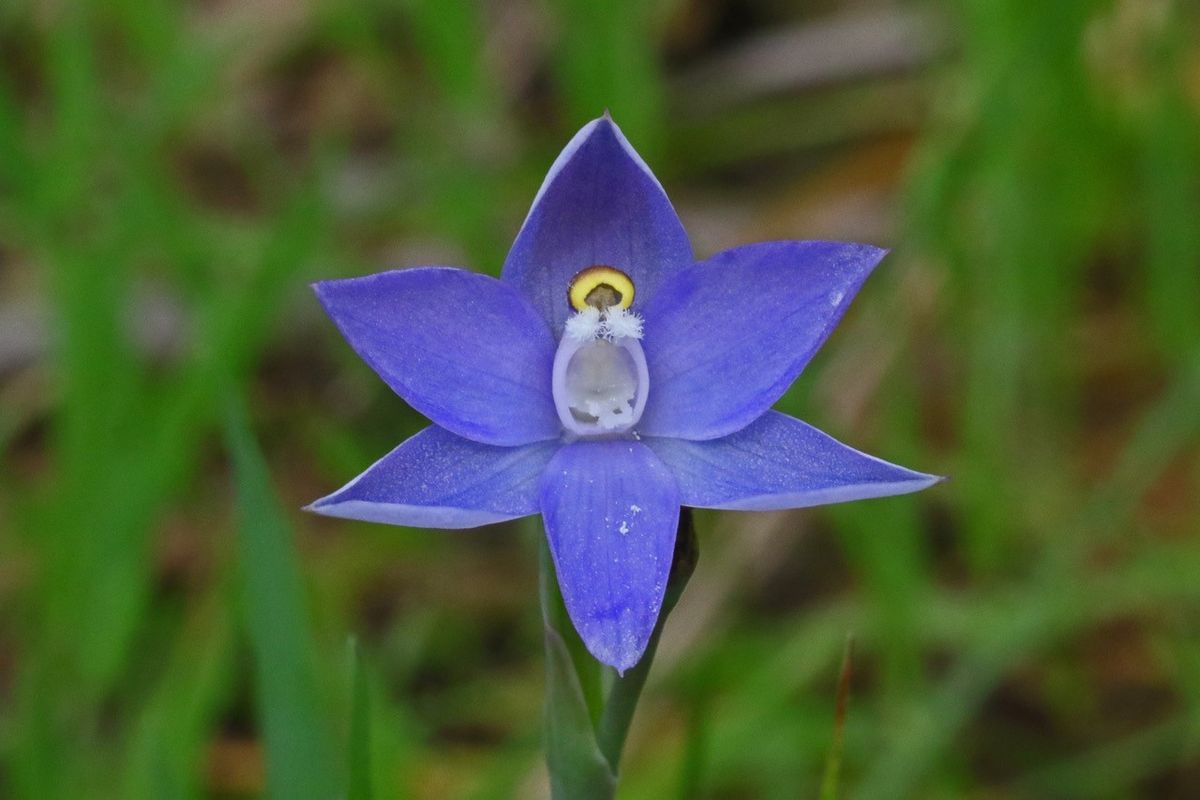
[600, 287]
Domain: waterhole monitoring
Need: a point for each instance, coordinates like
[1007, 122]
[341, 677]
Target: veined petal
[464, 349]
[599, 204]
[779, 462]
[611, 510]
[725, 338]
[438, 480]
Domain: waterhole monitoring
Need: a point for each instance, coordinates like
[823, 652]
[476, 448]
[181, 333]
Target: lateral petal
[464, 349]
[725, 338]
[779, 462]
[436, 479]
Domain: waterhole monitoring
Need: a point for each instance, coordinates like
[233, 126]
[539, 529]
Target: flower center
[599, 385]
[600, 379]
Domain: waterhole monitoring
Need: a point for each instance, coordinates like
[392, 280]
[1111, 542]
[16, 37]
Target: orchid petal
[611, 509]
[464, 349]
[436, 479]
[780, 462]
[725, 338]
[599, 204]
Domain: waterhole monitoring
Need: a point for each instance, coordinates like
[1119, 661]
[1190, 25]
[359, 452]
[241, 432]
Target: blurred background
[174, 174]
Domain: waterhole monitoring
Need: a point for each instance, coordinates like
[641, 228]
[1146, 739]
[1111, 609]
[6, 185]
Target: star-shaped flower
[603, 381]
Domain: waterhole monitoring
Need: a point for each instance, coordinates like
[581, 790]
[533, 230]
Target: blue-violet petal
[725, 338]
[464, 349]
[599, 204]
[779, 462]
[611, 509]
[436, 479]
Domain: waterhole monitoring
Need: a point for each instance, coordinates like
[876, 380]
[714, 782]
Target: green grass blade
[167, 750]
[300, 760]
[360, 731]
[833, 764]
[606, 60]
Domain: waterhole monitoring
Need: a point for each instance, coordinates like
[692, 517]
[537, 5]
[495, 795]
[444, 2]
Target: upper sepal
[599, 204]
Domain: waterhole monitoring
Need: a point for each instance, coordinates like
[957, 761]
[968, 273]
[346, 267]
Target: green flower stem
[578, 770]
[584, 740]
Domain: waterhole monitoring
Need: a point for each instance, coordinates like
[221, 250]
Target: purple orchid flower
[605, 380]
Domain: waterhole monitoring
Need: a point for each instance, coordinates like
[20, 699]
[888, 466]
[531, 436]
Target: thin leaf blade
[299, 759]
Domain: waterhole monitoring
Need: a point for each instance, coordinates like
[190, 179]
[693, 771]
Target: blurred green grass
[1028, 629]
